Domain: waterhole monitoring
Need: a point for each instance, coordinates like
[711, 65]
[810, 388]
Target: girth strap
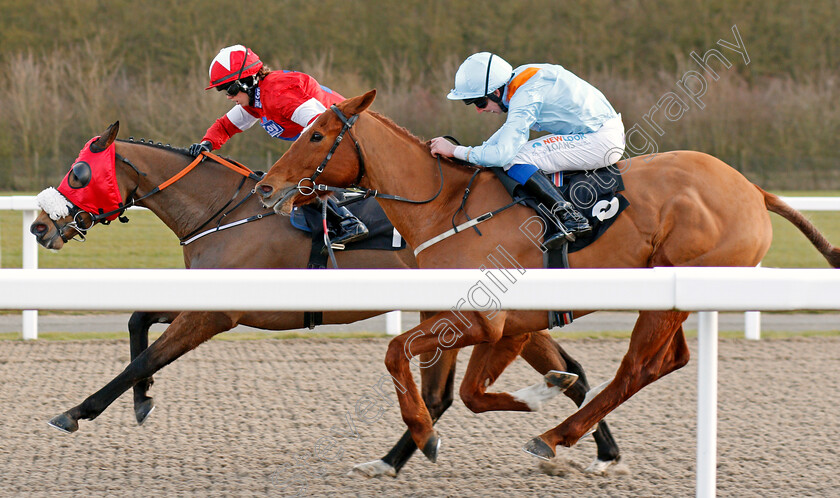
[463, 226]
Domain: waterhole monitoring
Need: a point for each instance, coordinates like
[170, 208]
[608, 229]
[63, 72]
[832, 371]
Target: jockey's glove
[196, 149]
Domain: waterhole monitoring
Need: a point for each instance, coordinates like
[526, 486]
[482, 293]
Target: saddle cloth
[595, 194]
[382, 234]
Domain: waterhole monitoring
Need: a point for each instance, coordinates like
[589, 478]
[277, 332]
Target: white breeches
[581, 151]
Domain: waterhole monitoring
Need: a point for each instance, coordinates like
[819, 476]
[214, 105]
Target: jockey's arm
[503, 145]
[308, 112]
[235, 121]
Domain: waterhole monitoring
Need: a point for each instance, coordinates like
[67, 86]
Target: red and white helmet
[233, 63]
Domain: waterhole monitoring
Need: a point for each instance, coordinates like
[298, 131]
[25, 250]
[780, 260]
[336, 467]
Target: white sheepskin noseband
[53, 203]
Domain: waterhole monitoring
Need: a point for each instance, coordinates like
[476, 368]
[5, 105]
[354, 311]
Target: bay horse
[686, 209]
[186, 204]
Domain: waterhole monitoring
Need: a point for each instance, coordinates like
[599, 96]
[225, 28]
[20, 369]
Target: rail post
[707, 376]
[30, 261]
[393, 322]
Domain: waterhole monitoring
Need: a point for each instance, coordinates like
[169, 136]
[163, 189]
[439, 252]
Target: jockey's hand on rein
[442, 146]
[196, 149]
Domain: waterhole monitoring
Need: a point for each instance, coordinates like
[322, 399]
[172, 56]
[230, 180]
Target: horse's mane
[456, 163]
[158, 145]
[391, 124]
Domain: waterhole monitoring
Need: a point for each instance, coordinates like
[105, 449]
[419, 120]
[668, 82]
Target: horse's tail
[776, 205]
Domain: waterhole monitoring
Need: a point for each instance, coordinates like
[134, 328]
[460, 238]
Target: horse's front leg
[185, 333]
[138, 334]
[437, 382]
[444, 331]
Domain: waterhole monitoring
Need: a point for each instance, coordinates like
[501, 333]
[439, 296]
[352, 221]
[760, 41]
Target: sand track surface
[245, 417]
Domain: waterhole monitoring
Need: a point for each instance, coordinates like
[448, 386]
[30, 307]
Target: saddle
[595, 194]
[382, 235]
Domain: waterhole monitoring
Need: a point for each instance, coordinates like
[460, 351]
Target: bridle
[315, 187]
[78, 224]
[81, 230]
[347, 124]
[354, 188]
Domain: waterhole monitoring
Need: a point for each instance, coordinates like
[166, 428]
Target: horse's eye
[79, 175]
[316, 137]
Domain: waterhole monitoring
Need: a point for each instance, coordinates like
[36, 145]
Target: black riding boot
[351, 228]
[569, 218]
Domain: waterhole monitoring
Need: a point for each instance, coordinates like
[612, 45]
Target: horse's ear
[106, 139]
[357, 105]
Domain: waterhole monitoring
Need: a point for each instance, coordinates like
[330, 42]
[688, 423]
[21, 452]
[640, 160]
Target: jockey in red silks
[283, 102]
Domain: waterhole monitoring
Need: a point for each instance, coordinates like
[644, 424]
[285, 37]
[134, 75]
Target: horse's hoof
[563, 380]
[376, 468]
[430, 449]
[143, 410]
[64, 423]
[599, 466]
[538, 448]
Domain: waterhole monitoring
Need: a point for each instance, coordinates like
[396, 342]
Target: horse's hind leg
[138, 333]
[678, 354]
[186, 332]
[657, 347]
[544, 353]
[437, 383]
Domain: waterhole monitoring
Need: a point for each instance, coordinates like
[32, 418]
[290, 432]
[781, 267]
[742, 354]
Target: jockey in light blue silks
[586, 132]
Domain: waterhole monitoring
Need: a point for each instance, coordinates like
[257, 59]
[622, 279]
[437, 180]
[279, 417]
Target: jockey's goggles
[480, 102]
[232, 88]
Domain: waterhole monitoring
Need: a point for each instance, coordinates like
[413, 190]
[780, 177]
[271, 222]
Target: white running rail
[26, 204]
[689, 289]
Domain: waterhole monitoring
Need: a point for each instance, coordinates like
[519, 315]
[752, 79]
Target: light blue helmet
[479, 75]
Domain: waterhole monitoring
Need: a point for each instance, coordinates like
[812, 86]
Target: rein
[316, 187]
[246, 173]
[236, 167]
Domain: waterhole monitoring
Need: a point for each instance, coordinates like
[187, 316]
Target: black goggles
[232, 88]
[480, 102]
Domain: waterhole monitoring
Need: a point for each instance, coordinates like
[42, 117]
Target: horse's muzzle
[47, 238]
[281, 200]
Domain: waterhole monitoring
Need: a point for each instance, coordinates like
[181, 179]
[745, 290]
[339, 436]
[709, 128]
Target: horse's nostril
[38, 228]
[266, 189]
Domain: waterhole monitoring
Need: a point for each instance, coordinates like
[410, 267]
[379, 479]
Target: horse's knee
[472, 398]
[490, 330]
[493, 334]
[139, 322]
[395, 355]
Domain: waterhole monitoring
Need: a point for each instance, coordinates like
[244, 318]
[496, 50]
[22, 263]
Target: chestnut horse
[686, 209]
[186, 205]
